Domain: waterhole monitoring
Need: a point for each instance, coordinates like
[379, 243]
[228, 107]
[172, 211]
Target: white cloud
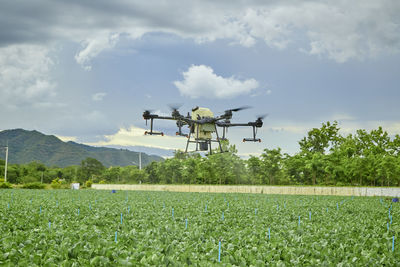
[201, 81]
[160, 113]
[342, 117]
[392, 127]
[25, 76]
[337, 29]
[291, 128]
[67, 138]
[134, 136]
[93, 47]
[98, 96]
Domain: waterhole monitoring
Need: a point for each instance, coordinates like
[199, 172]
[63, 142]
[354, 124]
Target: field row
[84, 227]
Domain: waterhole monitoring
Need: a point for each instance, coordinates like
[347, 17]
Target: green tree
[90, 168]
[319, 140]
[272, 166]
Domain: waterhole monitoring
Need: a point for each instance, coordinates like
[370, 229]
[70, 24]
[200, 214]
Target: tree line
[325, 157]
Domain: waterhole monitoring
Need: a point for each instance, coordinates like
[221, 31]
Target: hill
[27, 146]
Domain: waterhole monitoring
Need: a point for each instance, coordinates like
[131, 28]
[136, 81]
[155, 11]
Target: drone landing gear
[151, 129]
[153, 133]
[254, 139]
[204, 144]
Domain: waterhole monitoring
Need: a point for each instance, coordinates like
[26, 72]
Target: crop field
[100, 228]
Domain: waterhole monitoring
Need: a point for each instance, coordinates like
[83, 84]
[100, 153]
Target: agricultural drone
[202, 124]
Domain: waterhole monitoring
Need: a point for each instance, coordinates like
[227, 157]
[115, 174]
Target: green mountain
[27, 146]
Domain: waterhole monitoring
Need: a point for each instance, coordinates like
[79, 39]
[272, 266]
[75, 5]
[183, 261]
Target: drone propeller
[261, 117]
[259, 121]
[238, 109]
[146, 114]
[175, 106]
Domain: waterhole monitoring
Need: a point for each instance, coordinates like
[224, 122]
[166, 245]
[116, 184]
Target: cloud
[291, 128]
[93, 47]
[392, 127]
[342, 117]
[134, 136]
[339, 30]
[98, 96]
[201, 81]
[25, 76]
[67, 138]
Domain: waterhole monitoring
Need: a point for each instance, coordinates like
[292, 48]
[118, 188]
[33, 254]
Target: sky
[86, 70]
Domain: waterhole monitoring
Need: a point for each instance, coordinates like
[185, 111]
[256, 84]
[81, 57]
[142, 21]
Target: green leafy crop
[100, 228]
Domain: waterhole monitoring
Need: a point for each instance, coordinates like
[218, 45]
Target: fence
[280, 190]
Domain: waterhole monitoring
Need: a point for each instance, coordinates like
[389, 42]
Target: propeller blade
[175, 106]
[238, 109]
[148, 111]
[261, 117]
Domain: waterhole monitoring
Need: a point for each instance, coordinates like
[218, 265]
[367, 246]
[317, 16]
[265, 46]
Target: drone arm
[224, 124]
[254, 125]
[151, 117]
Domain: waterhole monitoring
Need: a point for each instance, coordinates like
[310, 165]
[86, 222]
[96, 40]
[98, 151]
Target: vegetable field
[78, 228]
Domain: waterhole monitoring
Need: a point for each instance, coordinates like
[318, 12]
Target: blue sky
[85, 71]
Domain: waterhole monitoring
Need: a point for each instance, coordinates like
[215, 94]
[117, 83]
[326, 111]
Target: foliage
[78, 228]
[35, 185]
[90, 169]
[5, 185]
[56, 184]
[88, 183]
[325, 158]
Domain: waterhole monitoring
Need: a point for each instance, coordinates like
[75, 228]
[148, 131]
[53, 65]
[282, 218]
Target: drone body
[202, 125]
[205, 130]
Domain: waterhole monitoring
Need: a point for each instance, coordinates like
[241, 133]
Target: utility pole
[140, 160]
[5, 169]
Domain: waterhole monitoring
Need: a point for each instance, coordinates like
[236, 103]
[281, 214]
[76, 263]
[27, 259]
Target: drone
[202, 124]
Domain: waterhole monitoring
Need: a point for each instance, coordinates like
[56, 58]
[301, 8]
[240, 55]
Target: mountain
[27, 146]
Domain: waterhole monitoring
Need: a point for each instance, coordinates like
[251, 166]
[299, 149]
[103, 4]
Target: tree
[90, 168]
[254, 166]
[319, 140]
[272, 166]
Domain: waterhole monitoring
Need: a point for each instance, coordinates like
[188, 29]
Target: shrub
[89, 183]
[56, 184]
[35, 185]
[5, 185]
[28, 179]
[102, 182]
[1, 180]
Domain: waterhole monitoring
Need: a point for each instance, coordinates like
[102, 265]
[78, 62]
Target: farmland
[64, 227]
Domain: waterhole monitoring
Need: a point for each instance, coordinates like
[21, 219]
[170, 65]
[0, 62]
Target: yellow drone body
[204, 130]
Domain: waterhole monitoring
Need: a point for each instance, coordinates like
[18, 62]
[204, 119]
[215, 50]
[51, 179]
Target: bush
[56, 184]
[1, 180]
[102, 182]
[35, 185]
[89, 183]
[27, 179]
[5, 185]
